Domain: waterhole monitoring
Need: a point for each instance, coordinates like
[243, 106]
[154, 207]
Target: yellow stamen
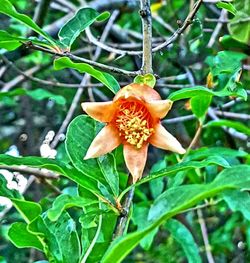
[133, 124]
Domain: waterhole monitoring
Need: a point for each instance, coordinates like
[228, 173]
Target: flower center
[134, 123]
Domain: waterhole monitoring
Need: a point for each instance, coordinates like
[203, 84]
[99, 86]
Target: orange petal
[164, 140]
[159, 108]
[105, 141]
[100, 111]
[135, 160]
[137, 91]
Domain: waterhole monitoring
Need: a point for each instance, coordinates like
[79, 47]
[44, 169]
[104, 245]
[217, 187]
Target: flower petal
[137, 91]
[100, 111]
[159, 108]
[135, 160]
[105, 141]
[164, 140]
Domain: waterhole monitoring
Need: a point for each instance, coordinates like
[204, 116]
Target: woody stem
[122, 220]
[146, 18]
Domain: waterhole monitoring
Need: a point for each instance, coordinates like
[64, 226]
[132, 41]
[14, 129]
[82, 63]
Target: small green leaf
[105, 78]
[231, 124]
[37, 94]
[239, 26]
[227, 6]
[5, 191]
[77, 24]
[148, 79]
[183, 236]
[200, 104]
[22, 238]
[8, 9]
[238, 201]
[10, 42]
[64, 202]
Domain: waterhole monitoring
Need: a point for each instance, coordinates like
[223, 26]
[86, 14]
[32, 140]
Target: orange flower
[133, 119]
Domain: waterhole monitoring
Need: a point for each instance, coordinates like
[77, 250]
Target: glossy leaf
[239, 26]
[10, 42]
[77, 24]
[238, 201]
[62, 242]
[183, 236]
[37, 94]
[56, 166]
[105, 78]
[64, 202]
[8, 9]
[202, 91]
[147, 79]
[231, 124]
[174, 201]
[81, 132]
[22, 238]
[227, 6]
[200, 104]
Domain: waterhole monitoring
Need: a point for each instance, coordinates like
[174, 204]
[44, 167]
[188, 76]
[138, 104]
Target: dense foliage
[57, 207]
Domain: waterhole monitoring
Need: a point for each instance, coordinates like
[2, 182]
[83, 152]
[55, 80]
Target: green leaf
[172, 170]
[105, 78]
[62, 242]
[183, 236]
[22, 238]
[231, 124]
[205, 152]
[81, 20]
[56, 166]
[174, 201]
[148, 79]
[200, 104]
[227, 6]
[81, 132]
[28, 210]
[5, 191]
[64, 202]
[229, 42]
[10, 42]
[202, 91]
[8, 9]
[225, 62]
[37, 94]
[238, 201]
[239, 26]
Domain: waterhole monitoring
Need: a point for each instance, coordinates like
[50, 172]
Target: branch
[146, 18]
[41, 173]
[84, 60]
[204, 233]
[123, 218]
[188, 21]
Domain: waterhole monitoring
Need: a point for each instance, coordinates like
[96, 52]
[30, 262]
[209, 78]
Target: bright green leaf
[8, 9]
[200, 104]
[82, 19]
[147, 79]
[105, 78]
[227, 6]
[22, 238]
[174, 201]
[183, 236]
[231, 124]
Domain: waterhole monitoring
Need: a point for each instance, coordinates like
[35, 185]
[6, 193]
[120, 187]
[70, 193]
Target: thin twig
[41, 173]
[188, 21]
[204, 233]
